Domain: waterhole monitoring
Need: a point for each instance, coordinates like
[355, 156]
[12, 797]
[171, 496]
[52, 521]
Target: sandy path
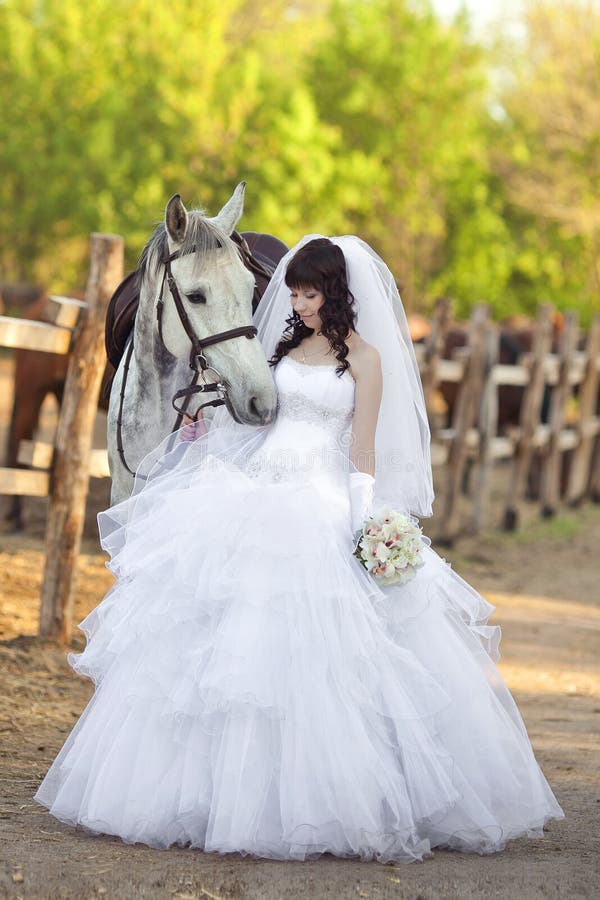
[545, 585]
[545, 588]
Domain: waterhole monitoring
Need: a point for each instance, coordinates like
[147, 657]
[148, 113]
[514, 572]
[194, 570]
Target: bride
[257, 690]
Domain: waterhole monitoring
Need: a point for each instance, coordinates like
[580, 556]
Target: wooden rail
[62, 471]
[561, 449]
[561, 452]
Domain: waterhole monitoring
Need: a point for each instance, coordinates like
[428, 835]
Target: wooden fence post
[550, 486]
[465, 415]
[594, 482]
[588, 425]
[529, 418]
[487, 426]
[69, 486]
[434, 347]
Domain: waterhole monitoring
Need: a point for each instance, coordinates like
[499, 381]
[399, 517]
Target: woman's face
[306, 302]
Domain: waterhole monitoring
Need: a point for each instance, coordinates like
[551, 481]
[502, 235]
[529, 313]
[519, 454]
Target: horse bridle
[198, 362]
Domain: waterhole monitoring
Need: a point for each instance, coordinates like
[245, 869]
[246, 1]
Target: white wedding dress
[256, 691]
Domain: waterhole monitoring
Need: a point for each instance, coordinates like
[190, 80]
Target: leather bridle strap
[126, 364]
[251, 262]
[198, 362]
[197, 344]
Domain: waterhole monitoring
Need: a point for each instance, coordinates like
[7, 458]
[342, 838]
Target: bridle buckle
[217, 384]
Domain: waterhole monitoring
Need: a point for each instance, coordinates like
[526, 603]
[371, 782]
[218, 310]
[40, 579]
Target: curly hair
[320, 264]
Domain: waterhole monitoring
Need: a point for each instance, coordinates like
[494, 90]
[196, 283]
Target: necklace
[306, 356]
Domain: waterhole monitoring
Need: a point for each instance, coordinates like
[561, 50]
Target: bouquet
[390, 547]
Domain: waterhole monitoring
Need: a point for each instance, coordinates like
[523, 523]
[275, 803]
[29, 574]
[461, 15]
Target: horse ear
[176, 219]
[231, 213]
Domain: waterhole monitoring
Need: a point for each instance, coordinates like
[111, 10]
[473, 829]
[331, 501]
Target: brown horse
[36, 375]
[516, 338]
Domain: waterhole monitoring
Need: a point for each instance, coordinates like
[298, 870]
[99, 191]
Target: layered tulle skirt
[257, 692]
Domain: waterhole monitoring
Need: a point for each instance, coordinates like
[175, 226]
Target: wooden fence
[78, 330]
[570, 377]
[471, 442]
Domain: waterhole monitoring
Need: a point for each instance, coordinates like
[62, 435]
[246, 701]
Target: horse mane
[202, 238]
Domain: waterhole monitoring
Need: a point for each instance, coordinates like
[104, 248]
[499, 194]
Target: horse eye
[196, 297]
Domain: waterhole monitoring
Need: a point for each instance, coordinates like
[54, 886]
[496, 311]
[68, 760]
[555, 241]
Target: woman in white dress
[256, 689]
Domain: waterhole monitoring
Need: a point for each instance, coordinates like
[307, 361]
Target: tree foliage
[410, 93]
[546, 154]
[365, 116]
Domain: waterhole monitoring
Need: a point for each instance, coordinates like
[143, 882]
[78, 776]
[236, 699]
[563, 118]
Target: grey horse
[216, 291]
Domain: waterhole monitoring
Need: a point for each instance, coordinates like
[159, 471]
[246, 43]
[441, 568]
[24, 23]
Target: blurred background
[461, 139]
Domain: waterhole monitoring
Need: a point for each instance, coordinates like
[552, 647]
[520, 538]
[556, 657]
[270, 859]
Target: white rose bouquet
[390, 547]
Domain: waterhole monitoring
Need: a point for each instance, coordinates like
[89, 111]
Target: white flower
[390, 547]
[382, 551]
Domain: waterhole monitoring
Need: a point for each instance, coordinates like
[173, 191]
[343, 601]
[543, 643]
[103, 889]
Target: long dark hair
[320, 264]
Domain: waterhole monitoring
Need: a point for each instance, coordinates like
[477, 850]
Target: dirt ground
[544, 582]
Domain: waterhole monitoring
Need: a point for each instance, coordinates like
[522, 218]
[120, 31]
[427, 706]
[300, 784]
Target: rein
[197, 362]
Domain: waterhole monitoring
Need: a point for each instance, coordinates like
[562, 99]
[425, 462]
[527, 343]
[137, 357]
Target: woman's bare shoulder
[364, 358]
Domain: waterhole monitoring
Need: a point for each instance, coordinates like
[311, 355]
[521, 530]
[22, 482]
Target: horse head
[216, 295]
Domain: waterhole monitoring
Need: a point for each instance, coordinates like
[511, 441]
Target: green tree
[410, 93]
[546, 151]
[95, 104]
[108, 108]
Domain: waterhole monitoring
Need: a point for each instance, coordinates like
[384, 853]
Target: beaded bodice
[313, 426]
[315, 395]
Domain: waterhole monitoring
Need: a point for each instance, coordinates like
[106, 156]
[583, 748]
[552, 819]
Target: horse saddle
[260, 254]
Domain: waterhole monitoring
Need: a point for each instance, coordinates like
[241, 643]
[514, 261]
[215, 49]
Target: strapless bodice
[312, 431]
[314, 395]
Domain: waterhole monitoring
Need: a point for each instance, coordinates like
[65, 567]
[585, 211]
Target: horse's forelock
[202, 238]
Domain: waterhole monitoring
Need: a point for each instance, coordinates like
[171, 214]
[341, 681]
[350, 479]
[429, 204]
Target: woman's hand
[361, 486]
[192, 428]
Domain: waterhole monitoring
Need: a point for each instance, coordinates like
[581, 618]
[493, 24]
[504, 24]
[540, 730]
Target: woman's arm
[366, 371]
